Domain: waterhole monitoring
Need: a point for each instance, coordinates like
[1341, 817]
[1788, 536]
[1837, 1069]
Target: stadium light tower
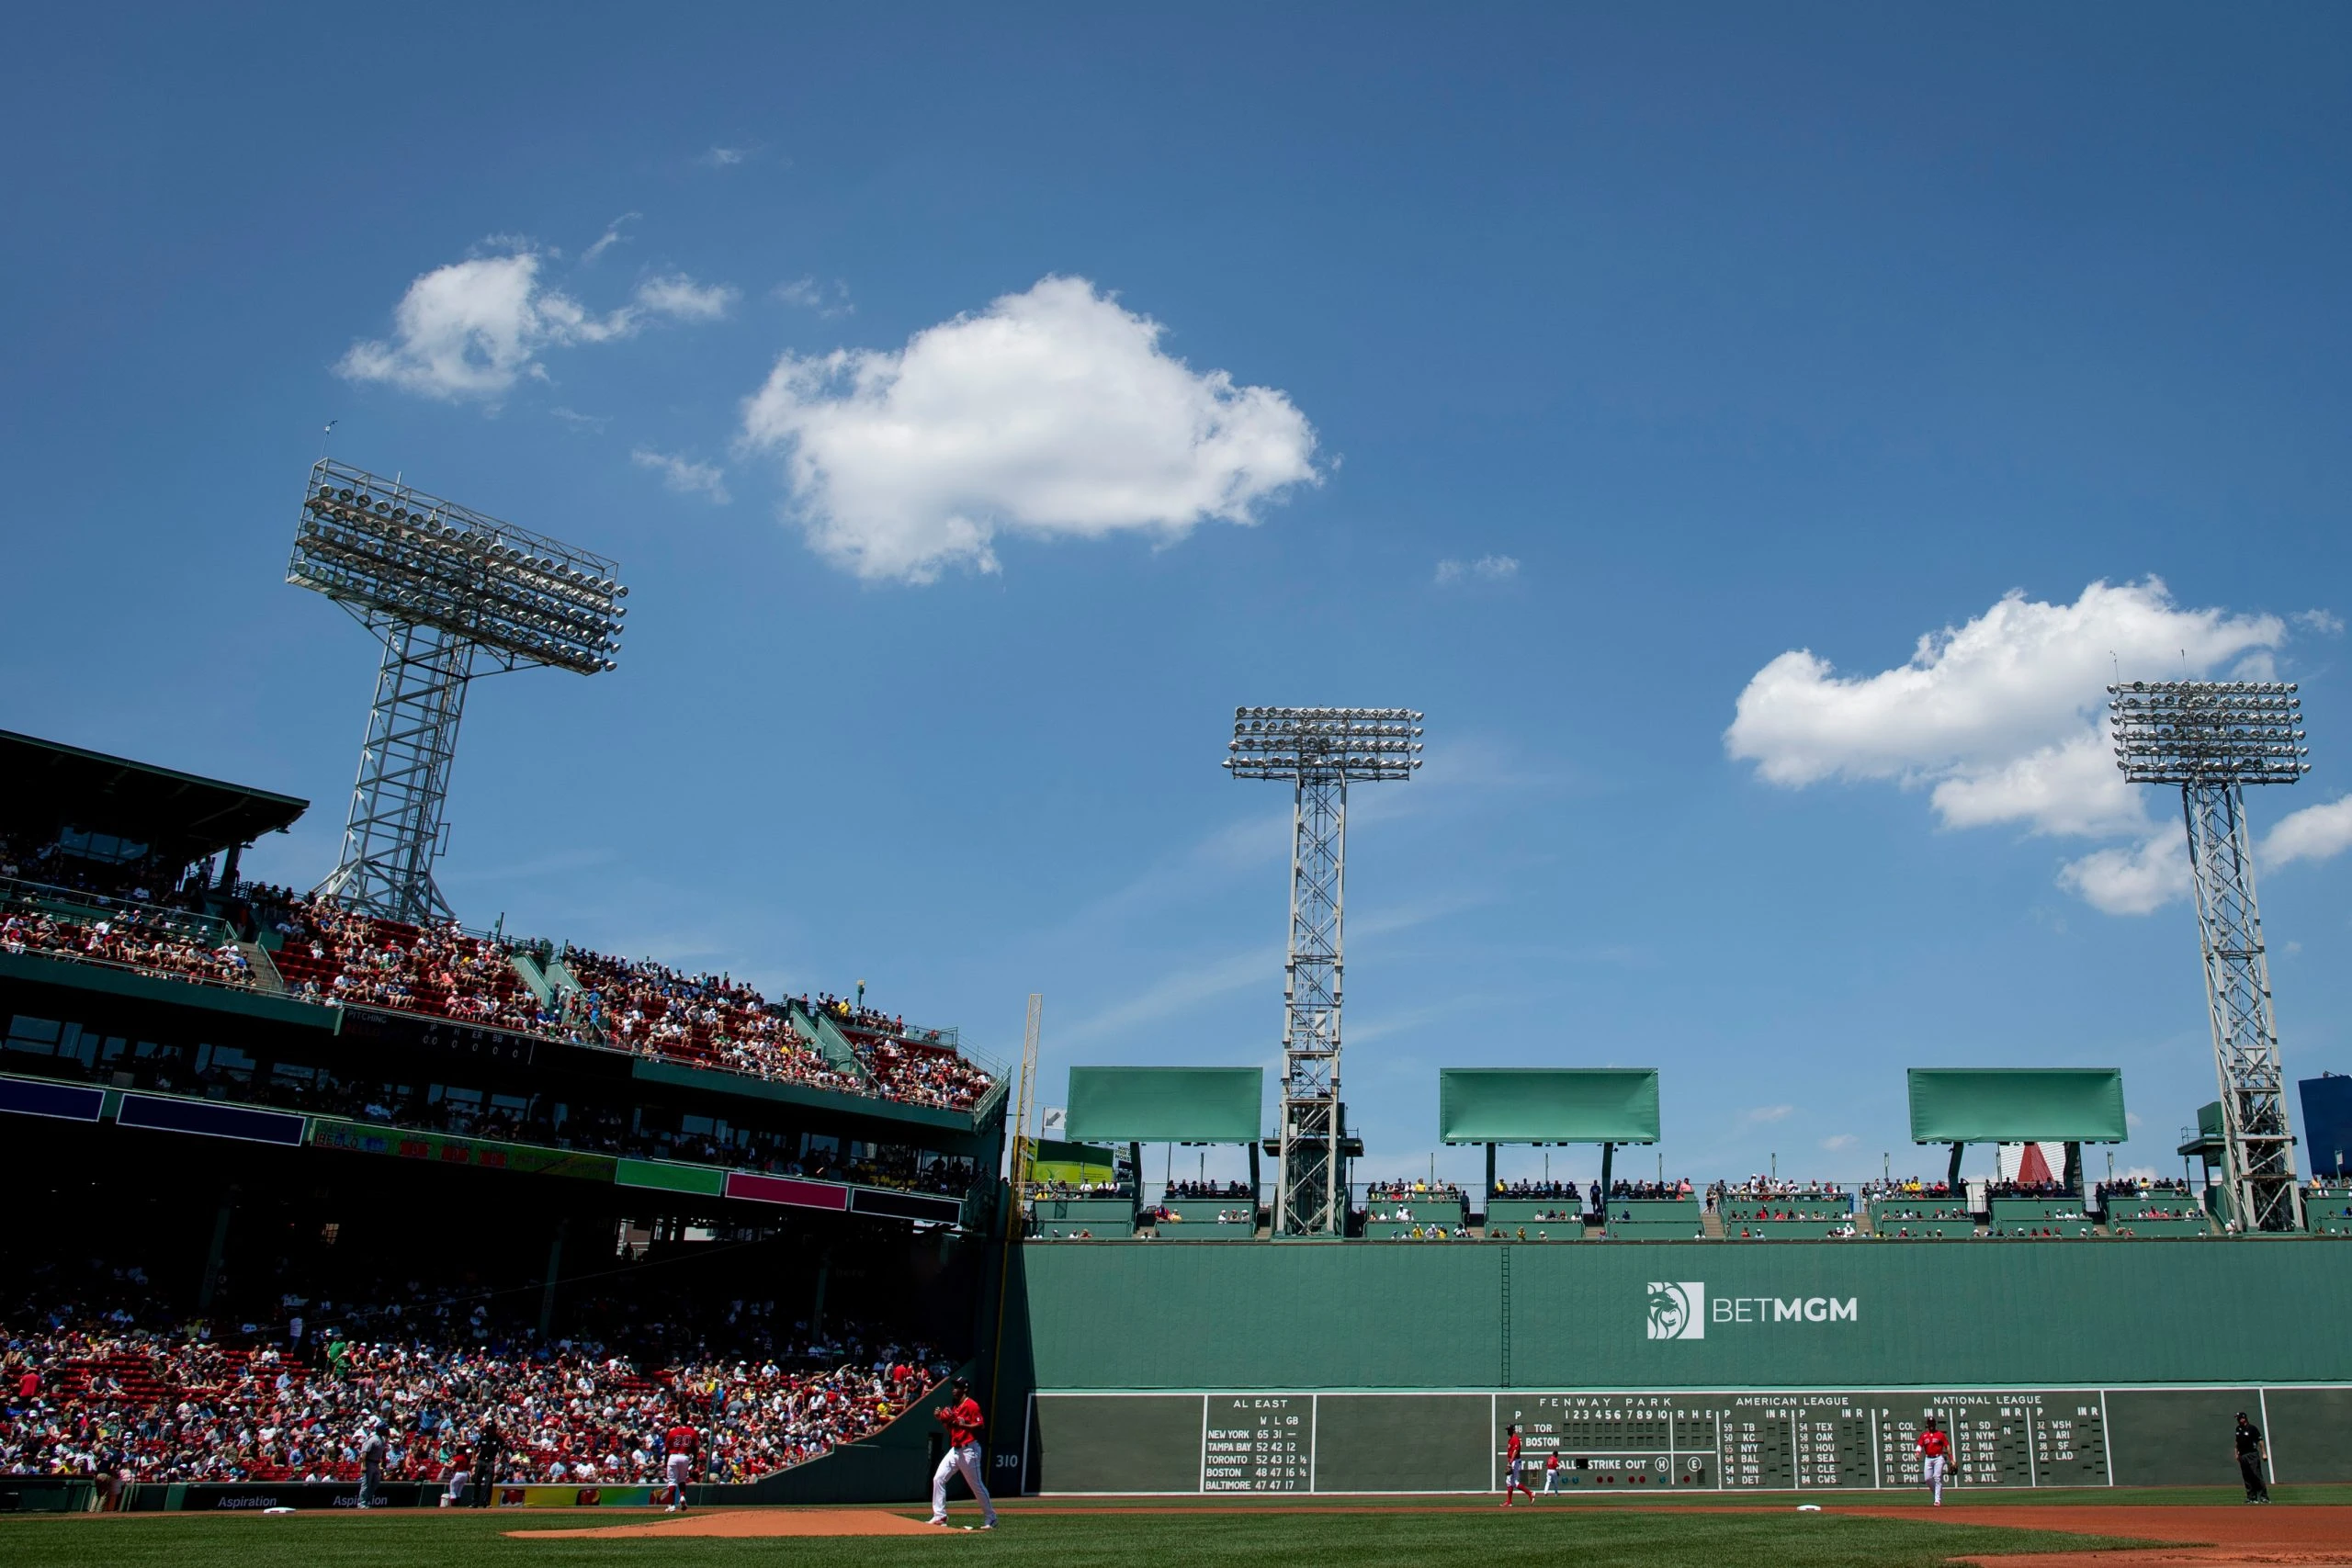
[1318, 750]
[452, 594]
[2213, 737]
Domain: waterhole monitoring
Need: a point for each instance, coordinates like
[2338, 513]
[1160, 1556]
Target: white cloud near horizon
[1052, 414]
[685, 476]
[2003, 721]
[470, 330]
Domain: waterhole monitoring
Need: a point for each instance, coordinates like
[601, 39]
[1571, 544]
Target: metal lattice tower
[2213, 737]
[451, 593]
[1318, 750]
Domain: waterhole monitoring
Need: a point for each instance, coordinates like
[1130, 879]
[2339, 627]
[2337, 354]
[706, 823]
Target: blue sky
[1180, 354]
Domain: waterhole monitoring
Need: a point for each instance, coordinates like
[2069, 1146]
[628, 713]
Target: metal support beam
[2258, 1147]
[393, 832]
[1308, 1199]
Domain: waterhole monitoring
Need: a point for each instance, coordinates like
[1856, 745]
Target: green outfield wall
[1780, 1346]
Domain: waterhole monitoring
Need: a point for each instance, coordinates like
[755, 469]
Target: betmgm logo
[1677, 1309]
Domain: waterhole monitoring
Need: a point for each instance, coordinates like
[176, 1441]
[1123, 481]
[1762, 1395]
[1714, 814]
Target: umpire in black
[2250, 1461]
[486, 1458]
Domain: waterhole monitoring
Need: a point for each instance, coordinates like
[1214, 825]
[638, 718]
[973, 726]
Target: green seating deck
[1786, 1230]
[1568, 1229]
[1912, 1216]
[2035, 1210]
[1402, 1230]
[2328, 1211]
[1898, 1229]
[1836, 1212]
[1656, 1230]
[1234, 1218]
[2040, 1229]
[1080, 1219]
[1516, 1211]
[2142, 1224]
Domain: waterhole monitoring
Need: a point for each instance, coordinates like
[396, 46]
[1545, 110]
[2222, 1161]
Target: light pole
[2212, 738]
[1317, 752]
[450, 592]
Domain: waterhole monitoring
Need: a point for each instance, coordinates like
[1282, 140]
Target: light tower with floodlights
[1318, 750]
[451, 593]
[2213, 737]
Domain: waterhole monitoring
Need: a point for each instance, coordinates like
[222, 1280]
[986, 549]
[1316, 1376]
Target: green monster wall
[2225, 1319]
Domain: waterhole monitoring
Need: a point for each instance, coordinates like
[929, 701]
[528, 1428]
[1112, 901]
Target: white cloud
[1051, 413]
[685, 476]
[1837, 1140]
[677, 296]
[1769, 1113]
[811, 295]
[723, 157]
[470, 330]
[2316, 832]
[1486, 568]
[612, 236]
[2136, 879]
[2003, 720]
[2320, 622]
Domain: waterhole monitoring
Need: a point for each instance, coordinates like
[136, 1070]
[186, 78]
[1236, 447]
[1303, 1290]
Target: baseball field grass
[1384, 1537]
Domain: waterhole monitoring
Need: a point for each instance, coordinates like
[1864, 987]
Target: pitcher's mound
[757, 1522]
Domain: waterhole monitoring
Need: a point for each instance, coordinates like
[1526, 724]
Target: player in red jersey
[678, 1452]
[1513, 1480]
[1934, 1448]
[962, 1415]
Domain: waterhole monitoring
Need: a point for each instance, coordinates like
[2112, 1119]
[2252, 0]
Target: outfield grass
[1588, 1537]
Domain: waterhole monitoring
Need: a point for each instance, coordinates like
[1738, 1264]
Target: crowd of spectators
[140, 936]
[1766, 1187]
[1212, 1191]
[1649, 1192]
[90, 910]
[1908, 1187]
[2143, 1186]
[333, 954]
[708, 1019]
[105, 1395]
[1413, 1191]
[2030, 1189]
[1535, 1190]
[921, 1075]
[1066, 1190]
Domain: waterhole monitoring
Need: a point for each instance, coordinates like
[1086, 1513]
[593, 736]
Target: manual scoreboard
[1677, 1440]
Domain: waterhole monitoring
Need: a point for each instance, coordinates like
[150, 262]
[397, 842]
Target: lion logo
[1677, 1309]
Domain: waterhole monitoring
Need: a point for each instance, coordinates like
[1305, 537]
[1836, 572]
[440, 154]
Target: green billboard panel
[2017, 1105]
[1166, 1105]
[665, 1177]
[1547, 1105]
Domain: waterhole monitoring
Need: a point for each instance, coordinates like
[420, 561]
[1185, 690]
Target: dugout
[2073, 1106]
[1544, 1106]
[1188, 1106]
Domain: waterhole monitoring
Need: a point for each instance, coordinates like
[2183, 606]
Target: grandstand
[452, 1149]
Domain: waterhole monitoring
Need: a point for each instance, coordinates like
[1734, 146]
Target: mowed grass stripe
[1591, 1538]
